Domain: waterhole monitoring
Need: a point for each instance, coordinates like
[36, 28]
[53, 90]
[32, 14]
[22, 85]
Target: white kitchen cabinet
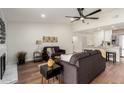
[108, 35]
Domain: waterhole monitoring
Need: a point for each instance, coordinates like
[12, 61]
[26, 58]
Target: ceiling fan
[82, 16]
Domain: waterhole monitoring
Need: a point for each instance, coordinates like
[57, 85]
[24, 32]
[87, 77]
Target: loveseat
[55, 51]
[82, 67]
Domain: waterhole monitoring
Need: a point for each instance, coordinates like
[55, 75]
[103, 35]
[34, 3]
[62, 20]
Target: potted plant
[21, 57]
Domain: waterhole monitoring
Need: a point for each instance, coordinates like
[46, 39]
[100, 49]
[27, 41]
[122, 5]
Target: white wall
[98, 38]
[82, 41]
[22, 37]
[77, 43]
[91, 39]
[108, 35]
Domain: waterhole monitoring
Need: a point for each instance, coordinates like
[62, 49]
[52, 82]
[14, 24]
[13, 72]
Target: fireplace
[2, 48]
[2, 65]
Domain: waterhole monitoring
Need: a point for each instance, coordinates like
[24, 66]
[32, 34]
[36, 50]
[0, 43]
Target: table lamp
[38, 43]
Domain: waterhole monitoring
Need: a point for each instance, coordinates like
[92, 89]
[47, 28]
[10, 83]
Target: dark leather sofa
[57, 52]
[83, 67]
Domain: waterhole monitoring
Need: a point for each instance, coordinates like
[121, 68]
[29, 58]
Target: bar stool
[113, 54]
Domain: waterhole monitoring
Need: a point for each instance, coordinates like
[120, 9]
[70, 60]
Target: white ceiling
[53, 15]
[114, 27]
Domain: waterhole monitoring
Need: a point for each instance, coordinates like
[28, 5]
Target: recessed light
[43, 15]
[113, 26]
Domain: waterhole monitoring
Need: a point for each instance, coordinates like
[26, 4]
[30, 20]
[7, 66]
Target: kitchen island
[107, 49]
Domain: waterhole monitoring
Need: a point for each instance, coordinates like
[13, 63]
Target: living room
[19, 35]
[31, 30]
[61, 46]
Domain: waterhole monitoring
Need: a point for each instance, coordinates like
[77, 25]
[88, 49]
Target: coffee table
[49, 73]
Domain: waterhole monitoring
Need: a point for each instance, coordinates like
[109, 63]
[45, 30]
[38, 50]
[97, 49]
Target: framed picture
[50, 39]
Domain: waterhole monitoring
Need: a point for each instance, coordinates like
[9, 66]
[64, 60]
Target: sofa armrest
[69, 74]
[62, 51]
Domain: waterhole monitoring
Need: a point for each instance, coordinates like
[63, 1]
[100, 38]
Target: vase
[50, 63]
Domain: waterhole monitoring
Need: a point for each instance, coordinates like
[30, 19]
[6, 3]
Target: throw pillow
[53, 51]
[66, 57]
[56, 49]
[49, 50]
[103, 52]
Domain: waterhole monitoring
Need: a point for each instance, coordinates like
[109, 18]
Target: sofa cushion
[49, 50]
[56, 49]
[74, 59]
[53, 50]
[88, 50]
[93, 52]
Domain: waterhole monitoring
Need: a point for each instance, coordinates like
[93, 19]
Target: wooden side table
[49, 73]
[37, 56]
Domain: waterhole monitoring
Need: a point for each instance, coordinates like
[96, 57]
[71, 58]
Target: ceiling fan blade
[75, 20]
[91, 18]
[72, 17]
[93, 12]
[82, 9]
[79, 11]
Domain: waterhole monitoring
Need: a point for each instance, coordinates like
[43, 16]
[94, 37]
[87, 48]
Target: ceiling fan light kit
[72, 19]
[82, 17]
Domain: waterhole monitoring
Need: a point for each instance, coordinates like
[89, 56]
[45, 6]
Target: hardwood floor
[29, 74]
[113, 74]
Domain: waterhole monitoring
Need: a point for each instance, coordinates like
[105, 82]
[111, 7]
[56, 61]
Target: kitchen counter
[108, 48]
